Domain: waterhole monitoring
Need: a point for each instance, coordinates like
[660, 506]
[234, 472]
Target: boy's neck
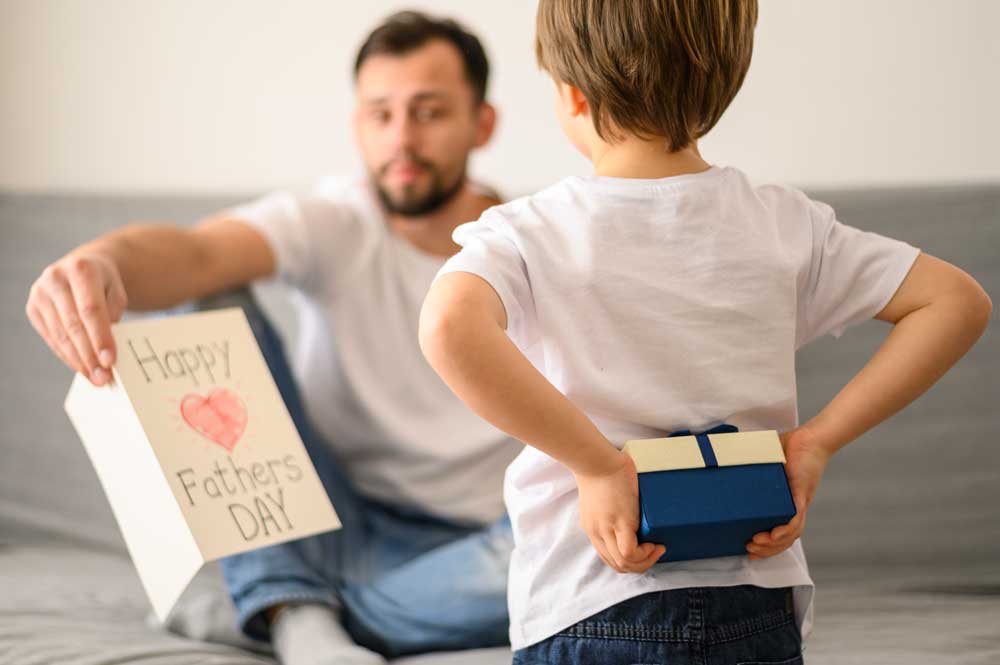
[640, 158]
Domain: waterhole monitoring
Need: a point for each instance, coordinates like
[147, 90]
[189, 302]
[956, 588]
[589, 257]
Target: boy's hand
[805, 462]
[609, 515]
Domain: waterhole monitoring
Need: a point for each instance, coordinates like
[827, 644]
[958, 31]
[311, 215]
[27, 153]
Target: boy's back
[661, 294]
[656, 305]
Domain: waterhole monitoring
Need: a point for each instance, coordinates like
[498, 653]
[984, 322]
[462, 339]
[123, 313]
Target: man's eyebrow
[428, 95]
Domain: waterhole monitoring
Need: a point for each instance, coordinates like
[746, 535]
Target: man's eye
[426, 114]
[381, 117]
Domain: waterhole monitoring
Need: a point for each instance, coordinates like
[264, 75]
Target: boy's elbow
[986, 308]
[455, 319]
[973, 308]
[978, 304]
[954, 288]
[437, 331]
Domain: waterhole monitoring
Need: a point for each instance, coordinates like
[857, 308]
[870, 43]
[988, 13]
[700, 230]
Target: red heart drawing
[221, 416]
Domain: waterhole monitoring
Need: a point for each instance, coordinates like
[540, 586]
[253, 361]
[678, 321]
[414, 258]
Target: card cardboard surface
[195, 449]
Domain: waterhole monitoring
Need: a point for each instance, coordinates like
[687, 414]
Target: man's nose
[404, 133]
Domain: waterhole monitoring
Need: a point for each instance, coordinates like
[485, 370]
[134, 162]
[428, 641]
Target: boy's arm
[939, 312]
[462, 326]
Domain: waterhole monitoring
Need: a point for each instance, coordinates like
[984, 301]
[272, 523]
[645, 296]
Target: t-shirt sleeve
[852, 275]
[298, 228]
[489, 250]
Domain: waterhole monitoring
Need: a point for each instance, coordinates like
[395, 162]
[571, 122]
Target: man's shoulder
[346, 203]
[346, 189]
[332, 211]
[332, 196]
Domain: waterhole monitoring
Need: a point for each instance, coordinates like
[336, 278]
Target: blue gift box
[705, 495]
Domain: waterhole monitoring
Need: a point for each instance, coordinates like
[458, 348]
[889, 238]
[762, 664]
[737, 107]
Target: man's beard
[411, 204]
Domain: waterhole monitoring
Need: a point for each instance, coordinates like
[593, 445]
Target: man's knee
[240, 296]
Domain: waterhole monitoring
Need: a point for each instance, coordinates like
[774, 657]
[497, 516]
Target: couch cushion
[64, 605]
[47, 485]
[73, 606]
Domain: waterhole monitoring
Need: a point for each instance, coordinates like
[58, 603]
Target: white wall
[206, 95]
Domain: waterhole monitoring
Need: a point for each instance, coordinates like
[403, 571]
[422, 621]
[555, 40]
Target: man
[420, 563]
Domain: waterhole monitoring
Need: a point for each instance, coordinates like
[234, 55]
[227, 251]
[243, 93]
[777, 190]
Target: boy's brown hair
[651, 68]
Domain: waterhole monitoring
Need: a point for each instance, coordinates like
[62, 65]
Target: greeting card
[195, 449]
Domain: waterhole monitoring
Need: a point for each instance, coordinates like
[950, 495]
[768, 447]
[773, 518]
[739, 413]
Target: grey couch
[903, 538]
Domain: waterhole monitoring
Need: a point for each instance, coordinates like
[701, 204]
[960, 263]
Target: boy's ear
[577, 102]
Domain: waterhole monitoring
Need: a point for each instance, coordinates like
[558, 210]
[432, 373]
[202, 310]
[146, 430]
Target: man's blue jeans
[405, 582]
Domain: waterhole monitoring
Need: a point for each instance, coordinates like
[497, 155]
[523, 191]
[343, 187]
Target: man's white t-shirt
[402, 437]
[659, 305]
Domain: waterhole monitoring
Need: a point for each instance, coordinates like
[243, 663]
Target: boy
[665, 293]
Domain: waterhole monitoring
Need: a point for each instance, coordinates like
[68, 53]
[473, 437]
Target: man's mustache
[413, 159]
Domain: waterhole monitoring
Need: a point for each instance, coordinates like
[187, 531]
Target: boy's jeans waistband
[693, 626]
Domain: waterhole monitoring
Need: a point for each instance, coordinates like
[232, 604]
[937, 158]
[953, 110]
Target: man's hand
[805, 462]
[72, 306]
[609, 515]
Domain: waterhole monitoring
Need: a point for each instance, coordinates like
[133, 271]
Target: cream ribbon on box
[683, 452]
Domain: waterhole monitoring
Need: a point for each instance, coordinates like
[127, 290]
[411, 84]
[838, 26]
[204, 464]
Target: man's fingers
[38, 323]
[117, 299]
[58, 340]
[69, 319]
[89, 297]
[117, 302]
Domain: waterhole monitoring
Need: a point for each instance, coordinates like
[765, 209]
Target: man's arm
[75, 300]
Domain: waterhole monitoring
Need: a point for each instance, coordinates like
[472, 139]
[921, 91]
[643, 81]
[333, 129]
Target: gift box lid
[726, 448]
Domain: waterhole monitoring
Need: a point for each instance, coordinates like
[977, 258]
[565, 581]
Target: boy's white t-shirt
[659, 305]
[401, 436]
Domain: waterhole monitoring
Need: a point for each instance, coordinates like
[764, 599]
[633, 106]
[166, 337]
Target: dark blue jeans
[738, 625]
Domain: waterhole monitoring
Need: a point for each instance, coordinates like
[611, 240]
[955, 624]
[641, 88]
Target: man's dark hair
[407, 31]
